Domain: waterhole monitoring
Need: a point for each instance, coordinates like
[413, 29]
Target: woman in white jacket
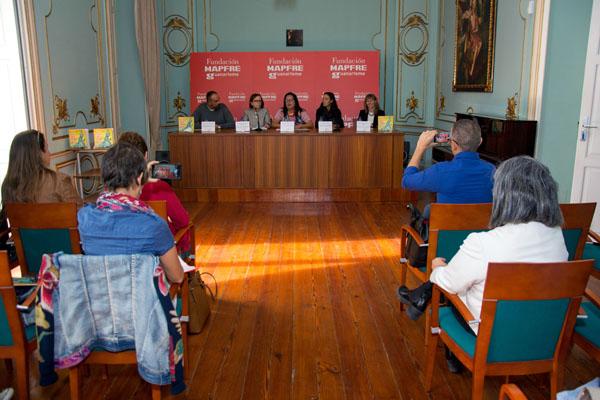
[525, 227]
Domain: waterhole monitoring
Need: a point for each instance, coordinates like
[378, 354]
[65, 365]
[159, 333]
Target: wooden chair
[16, 341]
[160, 208]
[123, 357]
[42, 228]
[587, 330]
[510, 391]
[527, 319]
[450, 224]
[578, 218]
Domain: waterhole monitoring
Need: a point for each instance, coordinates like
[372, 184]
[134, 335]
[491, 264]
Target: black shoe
[416, 300]
[454, 365]
[403, 291]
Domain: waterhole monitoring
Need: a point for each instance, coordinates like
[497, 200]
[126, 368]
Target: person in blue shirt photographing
[465, 179]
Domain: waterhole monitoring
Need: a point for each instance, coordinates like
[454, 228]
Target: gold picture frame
[474, 50]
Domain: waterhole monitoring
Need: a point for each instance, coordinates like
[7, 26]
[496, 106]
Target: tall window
[13, 109]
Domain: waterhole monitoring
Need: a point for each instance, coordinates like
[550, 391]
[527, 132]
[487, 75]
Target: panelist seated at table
[329, 111]
[291, 111]
[371, 110]
[215, 111]
[257, 114]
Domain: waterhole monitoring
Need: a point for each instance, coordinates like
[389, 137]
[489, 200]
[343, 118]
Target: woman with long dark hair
[291, 111]
[29, 178]
[329, 111]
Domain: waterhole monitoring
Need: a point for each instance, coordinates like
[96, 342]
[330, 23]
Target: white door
[586, 175]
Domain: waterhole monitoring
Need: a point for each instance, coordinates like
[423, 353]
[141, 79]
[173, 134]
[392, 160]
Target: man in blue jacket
[465, 179]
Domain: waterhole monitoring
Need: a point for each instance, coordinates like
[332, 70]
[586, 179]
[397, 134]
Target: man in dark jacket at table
[215, 111]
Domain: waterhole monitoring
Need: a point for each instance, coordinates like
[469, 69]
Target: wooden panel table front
[270, 160]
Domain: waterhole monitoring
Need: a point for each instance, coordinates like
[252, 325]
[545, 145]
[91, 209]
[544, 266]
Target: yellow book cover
[104, 138]
[385, 123]
[78, 139]
[186, 124]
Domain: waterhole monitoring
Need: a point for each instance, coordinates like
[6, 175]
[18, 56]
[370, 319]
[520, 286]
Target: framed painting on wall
[474, 52]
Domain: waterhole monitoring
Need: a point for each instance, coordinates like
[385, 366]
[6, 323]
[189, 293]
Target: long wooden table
[306, 166]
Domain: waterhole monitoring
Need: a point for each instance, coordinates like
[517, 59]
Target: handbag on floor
[415, 254]
[200, 300]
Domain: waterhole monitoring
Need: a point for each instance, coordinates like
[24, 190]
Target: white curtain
[147, 42]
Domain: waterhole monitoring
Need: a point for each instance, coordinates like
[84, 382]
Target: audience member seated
[371, 110]
[257, 114]
[215, 111]
[465, 179]
[119, 223]
[329, 111]
[291, 111]
[29, 178]
[525, 227]
[157, 189]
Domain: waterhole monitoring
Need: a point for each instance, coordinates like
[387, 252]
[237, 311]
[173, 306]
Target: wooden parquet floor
[306, 309]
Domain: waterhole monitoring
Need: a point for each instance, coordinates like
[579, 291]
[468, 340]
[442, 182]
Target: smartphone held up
[441, 137]
[166, 171]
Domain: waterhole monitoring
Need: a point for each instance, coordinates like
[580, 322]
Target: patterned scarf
[111, 202]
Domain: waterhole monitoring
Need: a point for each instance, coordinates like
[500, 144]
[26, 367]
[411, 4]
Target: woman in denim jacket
[119, 223]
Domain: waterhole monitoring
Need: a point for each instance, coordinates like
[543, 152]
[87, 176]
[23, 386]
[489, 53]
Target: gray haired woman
[525, 227]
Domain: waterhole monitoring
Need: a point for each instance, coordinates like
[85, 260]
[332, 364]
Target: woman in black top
[371, 110]
[329, 111]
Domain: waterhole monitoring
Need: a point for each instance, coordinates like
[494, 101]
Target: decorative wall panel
[412, 60]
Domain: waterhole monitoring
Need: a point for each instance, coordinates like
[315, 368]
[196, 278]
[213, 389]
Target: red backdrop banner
[350, 75]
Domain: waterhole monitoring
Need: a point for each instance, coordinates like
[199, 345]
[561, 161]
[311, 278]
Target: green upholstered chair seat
[571, 239]
[523, 330]
[30, 332]
[37, 242]
[450, 324]
[449, 242]
[592, 252]
[589, 327]
[5, 334]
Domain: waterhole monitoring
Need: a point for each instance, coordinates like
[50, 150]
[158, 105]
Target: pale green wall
[563, 82]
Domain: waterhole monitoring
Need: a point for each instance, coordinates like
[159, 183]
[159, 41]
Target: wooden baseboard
[295, 195]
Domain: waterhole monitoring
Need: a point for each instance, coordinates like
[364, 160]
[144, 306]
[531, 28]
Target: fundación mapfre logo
[347, 66]
[284, 66]
[222, 67]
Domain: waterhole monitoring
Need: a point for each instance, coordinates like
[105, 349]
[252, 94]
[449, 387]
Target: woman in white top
[526, 227]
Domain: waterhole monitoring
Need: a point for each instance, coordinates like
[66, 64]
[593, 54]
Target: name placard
[287, 127]
[208, 127]
[363, 126]
[242, 127]
[325, 126]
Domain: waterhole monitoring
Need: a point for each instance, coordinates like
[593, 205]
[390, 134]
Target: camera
[166, 171]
